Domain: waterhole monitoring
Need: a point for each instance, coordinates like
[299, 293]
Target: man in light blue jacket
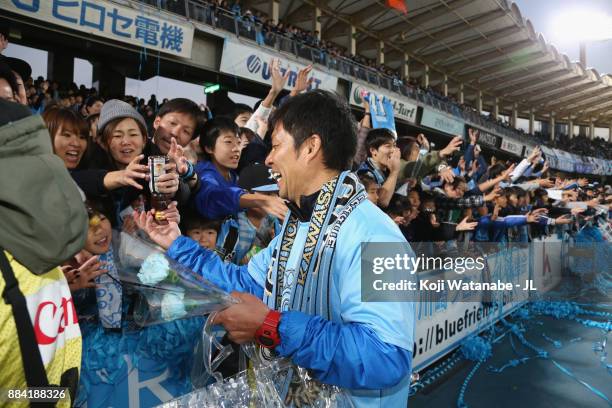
[301, 297]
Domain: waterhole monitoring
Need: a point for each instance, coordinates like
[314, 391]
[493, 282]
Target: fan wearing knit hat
[123, 134]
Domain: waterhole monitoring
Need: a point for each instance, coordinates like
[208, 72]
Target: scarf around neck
[308, 291]
[307, 288]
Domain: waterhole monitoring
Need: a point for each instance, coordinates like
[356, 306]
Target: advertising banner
[487, 138]
[443, 123]
[512, 146]
[112, 21]
[254, 63]
[402, 109]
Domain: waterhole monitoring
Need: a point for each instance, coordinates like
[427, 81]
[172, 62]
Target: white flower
[154, 269]
[172, 306]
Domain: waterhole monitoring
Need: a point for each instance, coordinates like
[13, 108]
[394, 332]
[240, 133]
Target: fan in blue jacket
[219, 195]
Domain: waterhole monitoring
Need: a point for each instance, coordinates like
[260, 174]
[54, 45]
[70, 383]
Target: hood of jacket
[43, 219]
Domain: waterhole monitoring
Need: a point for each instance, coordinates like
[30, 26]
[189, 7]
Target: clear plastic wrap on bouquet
[164, 290]
[263, 385]
[160, 305]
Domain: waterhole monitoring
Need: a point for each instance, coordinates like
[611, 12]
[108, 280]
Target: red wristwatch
[267, 335]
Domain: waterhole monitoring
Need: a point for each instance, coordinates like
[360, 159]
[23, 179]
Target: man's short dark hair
[192, 219]
[180, 105]
[377, 138]
[367, 180]
[211, 131]
[322, 113]
[397, 205]
[496, 170]
[241, 108]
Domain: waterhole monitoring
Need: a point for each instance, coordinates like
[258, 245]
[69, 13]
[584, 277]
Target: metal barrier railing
[246, 27]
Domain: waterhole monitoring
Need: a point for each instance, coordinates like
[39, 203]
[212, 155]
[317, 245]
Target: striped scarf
[306, 289]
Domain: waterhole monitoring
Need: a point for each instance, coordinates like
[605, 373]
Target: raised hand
[422, 141]
[302, 81]
[545, 183]
[276, 206]
[474, 167]
[394, 161]
[531, 217]
[534, 154]
[171, 214]
[129, 226]
[493, 194]
[564, 219]
[540, 211]
[168, 183]
[130, 176]
[473, 133]
[506, 173]
[453, 146]
[278, 79]
[464, 225]
[162, 234]
[447, 175]
[83, 276]
[176, 154]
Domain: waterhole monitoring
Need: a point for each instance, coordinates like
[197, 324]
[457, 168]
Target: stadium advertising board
[443, 323]
[434, 120]
[254, 64]
[512, 146]
[487, 138]
[112, 21]
[565, 160]
[583, 166]
[402, 109]
[550, 155]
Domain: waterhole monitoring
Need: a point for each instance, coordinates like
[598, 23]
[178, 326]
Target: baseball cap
[257, 177]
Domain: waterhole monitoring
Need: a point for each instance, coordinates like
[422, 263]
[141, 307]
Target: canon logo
[52, 319]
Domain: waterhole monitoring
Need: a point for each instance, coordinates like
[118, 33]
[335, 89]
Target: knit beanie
[115, 109]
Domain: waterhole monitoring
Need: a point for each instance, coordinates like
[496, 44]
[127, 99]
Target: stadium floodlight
[582, 25]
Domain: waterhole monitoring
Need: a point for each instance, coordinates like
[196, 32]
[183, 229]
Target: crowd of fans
[217, 186]
[265, 31]
[428, 182]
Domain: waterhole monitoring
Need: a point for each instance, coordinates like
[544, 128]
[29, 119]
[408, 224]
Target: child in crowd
[219, 195]
[108, 290]
[371, 187]
[250, 230]
[114, 350]
[199, 229]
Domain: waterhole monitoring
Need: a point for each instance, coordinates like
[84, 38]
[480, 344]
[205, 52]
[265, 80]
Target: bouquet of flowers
[164, 289]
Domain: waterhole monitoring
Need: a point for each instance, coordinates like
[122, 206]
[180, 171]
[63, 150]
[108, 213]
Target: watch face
[265, 341]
